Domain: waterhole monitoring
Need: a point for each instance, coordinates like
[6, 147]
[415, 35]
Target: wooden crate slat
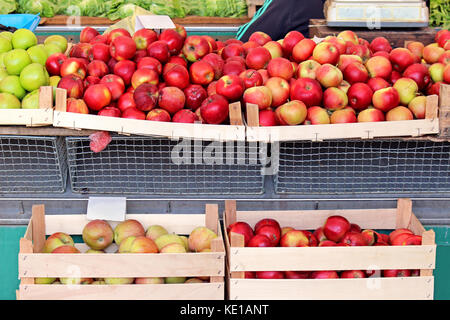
[359, 130]
[174, 223]
[311, 219]
[31, 117]
[191, 291]
[410, 288]
[121, 265]
[332, 258]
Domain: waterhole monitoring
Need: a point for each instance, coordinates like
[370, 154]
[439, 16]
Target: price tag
[153, 22]
[107, 208]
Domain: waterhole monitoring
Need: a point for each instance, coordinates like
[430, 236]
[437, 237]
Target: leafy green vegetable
[7, 6]
[440, 13]
[43, 7]
[124, 11]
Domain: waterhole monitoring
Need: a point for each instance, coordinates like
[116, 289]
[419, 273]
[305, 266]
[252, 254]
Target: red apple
[269, 274]
[327, 243]
[303, 50]
[353, 274]
[419, 73]
[359, 96]
[336, 227]
[90, 80]
[216, 63]
[396, 273]
[377, 83]
[184, 116]
[99, 51]
[261, 96]
[122, 48]
[77, 106]
[385, 99]
[280, 89]
[275, 49]
[97, 68]
[318, 233]
[87, 34]
[297, 274]
[195, 94]
[73, 66]
[251, 78]
[159, 50]
[158, 114]
[117, 33]
[326, 52]
[418, 107]
[280, 67]
[294, 238]
[73, 84]
[115, 84]
[307, 90]
[133, 113]
[259, 240]
[211, 41]
[178, 60]
[329, 75]
[266, 221]
[231, 87]
[346, 59]
[258, 58]
[260, 38]
[399, 113]
[110, 111]
[348, 36]
[356, 72]
[54, 62]
[354, 239]
[126, 101]
[271, 232]
[346, 115]
[267, 118]
[144, 75]
[291, 113]
[97, 96]
[195, 47]
[324, 274]
[171, 99]
[150, 63]
[201, 72]
[173, 39]
[144, 37]
[432, 52]
[80, 50]
[214, 109]
[290, 41]
[370, 115]
[176, 75]
[242, 228]
[233, 68]
[146, 96]
[99, 39]
[125, 70]
[317, 115]
[401, 58]
[359, 50]
[379, 66]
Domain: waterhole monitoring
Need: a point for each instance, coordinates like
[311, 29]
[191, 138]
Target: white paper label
[107, 208]
[153, 22]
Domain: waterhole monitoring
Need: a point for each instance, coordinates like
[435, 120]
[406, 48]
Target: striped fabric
[245, 27]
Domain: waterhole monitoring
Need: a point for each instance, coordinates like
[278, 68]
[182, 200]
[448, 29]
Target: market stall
[211, 148]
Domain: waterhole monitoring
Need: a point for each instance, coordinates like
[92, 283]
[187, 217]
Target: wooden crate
[31, 117]
[240, 259]
[34, 264]
[396, 36]
[444, 111]
[360, 130]
[253, 6]
[233, 132]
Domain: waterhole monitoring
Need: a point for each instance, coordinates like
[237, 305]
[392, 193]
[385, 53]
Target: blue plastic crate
[20, 21]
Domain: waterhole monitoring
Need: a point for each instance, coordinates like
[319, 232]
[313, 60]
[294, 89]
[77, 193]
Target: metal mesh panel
[32, 164]
[363, 166]
[146, 165]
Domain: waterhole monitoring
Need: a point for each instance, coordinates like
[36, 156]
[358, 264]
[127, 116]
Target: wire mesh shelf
[148, 165]
[363, 166]
[32, 164]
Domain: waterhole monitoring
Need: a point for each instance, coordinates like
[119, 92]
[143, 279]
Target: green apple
[6, 34]
[3, 73]
[57, 39]
[37, 54]
[9, 101]
[5, 45]
[44, 280]
[170, 280]
[52, 48]
[11, 84]
[436, 71]
[54, 80]
[23, 39]
[31, 100]
[2, 64]
[15, 60]
[33, 76]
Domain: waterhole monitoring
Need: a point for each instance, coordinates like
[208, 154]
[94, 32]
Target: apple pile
[22, 67]
[337, 231]
[129, 236]
[344, 78]
[145, 76]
